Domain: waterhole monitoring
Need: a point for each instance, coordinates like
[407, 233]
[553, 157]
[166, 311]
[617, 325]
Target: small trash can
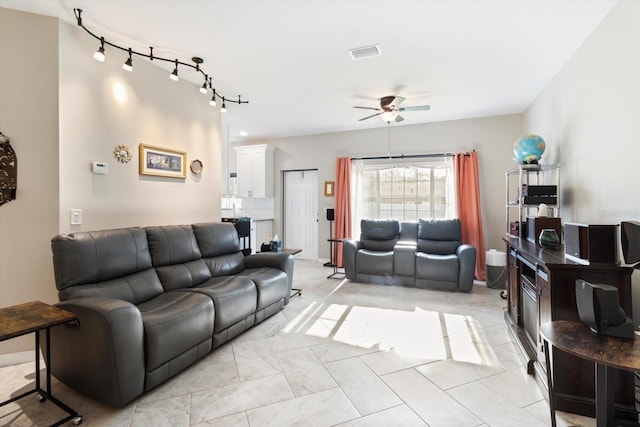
[496, 269]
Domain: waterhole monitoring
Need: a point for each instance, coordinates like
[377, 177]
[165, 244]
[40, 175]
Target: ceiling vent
[365, 52]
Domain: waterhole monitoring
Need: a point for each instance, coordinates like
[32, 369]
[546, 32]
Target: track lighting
[99, 54]
[174, 74]
[203, 89]
[213, 102]
[128, 64]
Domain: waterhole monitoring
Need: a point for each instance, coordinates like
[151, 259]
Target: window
[406, 189]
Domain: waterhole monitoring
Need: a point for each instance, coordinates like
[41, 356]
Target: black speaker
[630, 236]
[331, 214]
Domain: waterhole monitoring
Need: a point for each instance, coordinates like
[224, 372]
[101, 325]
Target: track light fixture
[213, 102]
[174, 74]
[99, 54]
[203, 89]
[128, 64]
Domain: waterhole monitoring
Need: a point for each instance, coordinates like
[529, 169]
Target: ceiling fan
[389, 109]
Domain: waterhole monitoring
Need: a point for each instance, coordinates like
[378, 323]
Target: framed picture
[328, 188]
[158, 161]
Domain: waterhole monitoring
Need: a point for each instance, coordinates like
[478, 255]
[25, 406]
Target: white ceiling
[290, 58]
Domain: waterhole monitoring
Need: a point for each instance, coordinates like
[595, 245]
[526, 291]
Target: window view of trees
[406, 192]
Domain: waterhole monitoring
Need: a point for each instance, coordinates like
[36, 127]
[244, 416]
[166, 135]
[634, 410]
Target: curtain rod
[407, 156]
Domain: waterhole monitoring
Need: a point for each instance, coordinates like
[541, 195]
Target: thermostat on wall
[99, 167]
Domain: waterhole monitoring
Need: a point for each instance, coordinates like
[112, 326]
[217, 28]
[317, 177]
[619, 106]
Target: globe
[529, 148]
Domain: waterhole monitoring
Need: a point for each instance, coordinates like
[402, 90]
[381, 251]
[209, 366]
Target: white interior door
[301, 212]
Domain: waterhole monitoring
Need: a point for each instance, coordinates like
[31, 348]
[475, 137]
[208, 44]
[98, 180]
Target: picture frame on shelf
[165, 162]
[329, 187]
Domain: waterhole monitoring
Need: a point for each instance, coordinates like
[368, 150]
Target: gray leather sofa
[152, 301]
[425, 254]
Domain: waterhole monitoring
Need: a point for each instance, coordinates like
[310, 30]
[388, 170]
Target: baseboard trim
[16, 358]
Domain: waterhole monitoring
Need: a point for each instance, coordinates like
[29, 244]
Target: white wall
[102, 106]
[590, 112]
[29, 116]
[491, 137]
[58, 105]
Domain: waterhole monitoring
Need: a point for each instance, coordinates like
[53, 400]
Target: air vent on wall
[365, 52]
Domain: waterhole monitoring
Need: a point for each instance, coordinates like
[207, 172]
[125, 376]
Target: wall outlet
[76, 216]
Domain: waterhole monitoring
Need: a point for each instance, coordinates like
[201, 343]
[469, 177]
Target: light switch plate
[76, 216]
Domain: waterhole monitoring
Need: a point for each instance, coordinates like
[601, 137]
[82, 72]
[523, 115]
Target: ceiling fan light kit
[99, 55]
[390, 108]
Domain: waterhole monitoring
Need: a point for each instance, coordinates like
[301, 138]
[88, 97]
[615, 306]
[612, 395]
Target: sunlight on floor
[442, 335]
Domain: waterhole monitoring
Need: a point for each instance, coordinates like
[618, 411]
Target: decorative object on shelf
[528, 149]
[158, 161]
[122, 153]
[8, 171]
[329, 188]
[549, 238]
[99, 55]
[543, 210]
[196, 166]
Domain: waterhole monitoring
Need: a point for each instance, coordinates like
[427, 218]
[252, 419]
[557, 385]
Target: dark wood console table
[541, 289]
[606, 352]
[35, 317]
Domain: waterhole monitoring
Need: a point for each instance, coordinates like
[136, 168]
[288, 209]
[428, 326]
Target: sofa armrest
[350, 248]
[467, 259]
[102, 356]
[279, 260]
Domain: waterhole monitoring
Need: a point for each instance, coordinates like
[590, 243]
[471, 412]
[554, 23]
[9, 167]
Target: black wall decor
[8, 171]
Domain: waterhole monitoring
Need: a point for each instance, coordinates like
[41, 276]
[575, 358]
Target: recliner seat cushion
[234, 297]
[437, 267]
[173, 323]
[272, 284]
[374, 262]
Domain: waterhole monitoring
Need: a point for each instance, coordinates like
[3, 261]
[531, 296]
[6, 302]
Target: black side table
[37, 316]
[333, 248]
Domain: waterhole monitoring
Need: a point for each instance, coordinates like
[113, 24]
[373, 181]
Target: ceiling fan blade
[399, 118]
[416, 108]
[367, 108]
[368, 117]
[397, 101]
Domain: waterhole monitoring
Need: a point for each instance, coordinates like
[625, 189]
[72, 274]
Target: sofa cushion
[112, 263]
[216, 238]
[272, 284]
[220, 247]
[185, 275]
[172, 244]
[379, 235]
[225, 265]
[133, 288]
[444, 268]
[174, 322]
[374, 262]
[234, 298]
[439, 236]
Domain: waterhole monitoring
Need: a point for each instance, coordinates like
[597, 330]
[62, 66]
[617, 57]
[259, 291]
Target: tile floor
[344, 354]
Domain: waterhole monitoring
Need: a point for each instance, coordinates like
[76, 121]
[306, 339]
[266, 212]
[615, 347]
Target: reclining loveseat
[425, 254]
[152, 301]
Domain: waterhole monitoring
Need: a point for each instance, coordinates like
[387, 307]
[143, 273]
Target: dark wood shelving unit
[541, 288]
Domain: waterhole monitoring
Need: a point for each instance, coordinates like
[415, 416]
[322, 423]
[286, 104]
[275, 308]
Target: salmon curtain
[342, 205]
[465, 168]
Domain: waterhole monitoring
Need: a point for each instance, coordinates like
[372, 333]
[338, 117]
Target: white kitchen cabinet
[254, 169]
